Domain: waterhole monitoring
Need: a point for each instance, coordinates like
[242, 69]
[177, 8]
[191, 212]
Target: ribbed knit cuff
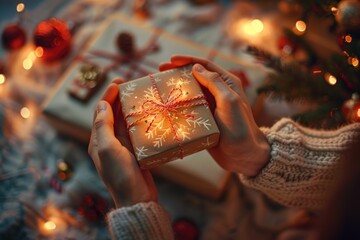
[304, 163]
[140, 221]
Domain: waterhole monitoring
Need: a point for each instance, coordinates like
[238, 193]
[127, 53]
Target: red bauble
[287, 46]
[185, 229]
[13, 37]
[93, 207]
[54, 37]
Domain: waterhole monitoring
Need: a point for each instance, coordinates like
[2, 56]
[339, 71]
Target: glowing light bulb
[355, 62]
[330, 79]
[49, 225]
[20, 7]
[300, 27]
[25, 112]
[348, 38]
[334, 10]
[358, 113]
[63, 166]
[2, 78]
[39, 51]
[253, 27]
[316, 71]
[32, 56]
[257, 25]
[27, 63]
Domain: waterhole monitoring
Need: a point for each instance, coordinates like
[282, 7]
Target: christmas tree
[332, 84]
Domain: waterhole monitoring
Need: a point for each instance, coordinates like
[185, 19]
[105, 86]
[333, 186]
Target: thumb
[104, 122]
[212, 81]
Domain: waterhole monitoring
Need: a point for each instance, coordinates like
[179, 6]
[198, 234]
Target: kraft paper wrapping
[167, 116]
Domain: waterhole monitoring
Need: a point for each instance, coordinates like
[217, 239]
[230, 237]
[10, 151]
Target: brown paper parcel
[167, 116]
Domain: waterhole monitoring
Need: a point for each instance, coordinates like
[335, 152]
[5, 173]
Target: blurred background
[296, 59]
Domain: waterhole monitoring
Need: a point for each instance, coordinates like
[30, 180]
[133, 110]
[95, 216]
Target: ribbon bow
[173, 104]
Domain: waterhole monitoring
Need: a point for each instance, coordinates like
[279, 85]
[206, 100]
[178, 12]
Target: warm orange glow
[300, 26]
[348, 38]
[32, 56]
[20, 7]
[49, 225]
[316, 71]
[330, 79]
[63, 166]
[358, 113]
[355, 62]
[257, 25]
[2, 79]
[39, 51]
[334, 10]
[25, 112]
[27, 63]
[250, 27]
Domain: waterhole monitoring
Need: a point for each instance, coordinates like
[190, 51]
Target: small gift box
[167, 117]
[88, 80]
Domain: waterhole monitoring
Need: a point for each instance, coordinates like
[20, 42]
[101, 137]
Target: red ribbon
[172, 105]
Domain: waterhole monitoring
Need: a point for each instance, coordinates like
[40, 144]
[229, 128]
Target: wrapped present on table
[87, 82]
[167, 116]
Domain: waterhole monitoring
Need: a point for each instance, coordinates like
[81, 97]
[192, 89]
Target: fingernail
[100, 107]
[199, 68]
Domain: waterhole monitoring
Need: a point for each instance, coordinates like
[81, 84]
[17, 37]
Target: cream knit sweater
[300, 173]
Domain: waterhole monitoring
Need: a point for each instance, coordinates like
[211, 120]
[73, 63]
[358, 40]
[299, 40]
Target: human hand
[242, 147]
[110, 150]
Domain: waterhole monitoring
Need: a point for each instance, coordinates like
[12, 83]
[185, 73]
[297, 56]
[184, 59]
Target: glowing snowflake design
[140, 152]
[186, 72]
[129, 90]
[150, 93]
[199, 122]
[207, 143]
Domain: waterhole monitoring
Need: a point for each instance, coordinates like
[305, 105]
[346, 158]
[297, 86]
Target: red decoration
[287, 46]
[54, 37]
[93, 207]
[341, 41]
[185, 229]
[13, 37]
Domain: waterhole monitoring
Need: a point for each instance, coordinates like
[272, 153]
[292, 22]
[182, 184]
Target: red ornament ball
[185, 229]
[13, 37]
[93, 207]
[54, 37]
[287, 46]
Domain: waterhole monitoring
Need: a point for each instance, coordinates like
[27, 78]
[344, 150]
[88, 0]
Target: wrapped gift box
[74, 118]
[167, 116]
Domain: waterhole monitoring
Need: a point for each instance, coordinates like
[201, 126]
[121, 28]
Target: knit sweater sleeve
[303, 163]
[140, 221]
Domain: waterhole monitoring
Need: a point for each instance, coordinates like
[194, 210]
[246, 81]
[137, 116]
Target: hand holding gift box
[167, 116]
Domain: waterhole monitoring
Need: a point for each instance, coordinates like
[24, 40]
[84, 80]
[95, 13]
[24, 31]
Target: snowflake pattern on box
[166, 106]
